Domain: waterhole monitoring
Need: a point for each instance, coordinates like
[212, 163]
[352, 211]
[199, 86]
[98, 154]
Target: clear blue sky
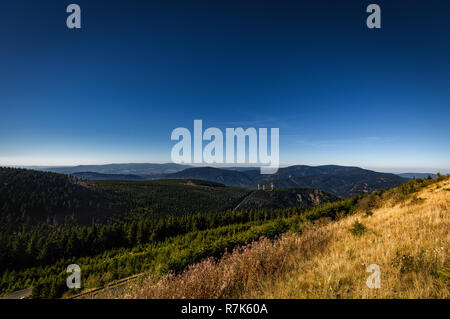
[114, 90]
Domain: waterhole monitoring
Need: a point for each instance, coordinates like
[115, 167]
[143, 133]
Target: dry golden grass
[409, 241]
[245, 269]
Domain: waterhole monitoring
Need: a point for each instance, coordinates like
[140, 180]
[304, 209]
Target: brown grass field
[407, 239]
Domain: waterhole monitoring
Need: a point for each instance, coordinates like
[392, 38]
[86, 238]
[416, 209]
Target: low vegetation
[358, 228]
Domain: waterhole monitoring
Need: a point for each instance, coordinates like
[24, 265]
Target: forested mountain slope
[49, 220]
[341, 181]
[30, 197]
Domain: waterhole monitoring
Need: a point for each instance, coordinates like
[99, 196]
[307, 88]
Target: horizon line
[394, 170]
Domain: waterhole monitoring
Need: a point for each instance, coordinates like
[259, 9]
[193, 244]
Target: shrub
[358, 228]
[444, 274]
[417, 200]
[368, 213]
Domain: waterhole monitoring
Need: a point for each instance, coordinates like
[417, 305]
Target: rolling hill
[31, 197]
[341, 181]
[226, 176]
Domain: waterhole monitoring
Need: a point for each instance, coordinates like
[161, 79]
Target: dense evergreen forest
[155, 226]
[29, 197]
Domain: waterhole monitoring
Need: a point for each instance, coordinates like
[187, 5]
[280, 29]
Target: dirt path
[109, 286]
[20, 294]
[244, 198]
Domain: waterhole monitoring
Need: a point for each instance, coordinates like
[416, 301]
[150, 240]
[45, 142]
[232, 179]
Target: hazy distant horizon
[394, 170]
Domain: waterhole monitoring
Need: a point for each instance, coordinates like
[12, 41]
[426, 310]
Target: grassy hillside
[405, 231]
[409, 240]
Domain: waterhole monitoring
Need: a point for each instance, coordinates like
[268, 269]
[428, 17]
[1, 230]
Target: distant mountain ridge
[99, 176]
[416, 175]
[342, 181]
[226, 176]
[141, 169]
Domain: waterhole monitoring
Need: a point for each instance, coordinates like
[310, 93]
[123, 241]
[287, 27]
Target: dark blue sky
[114, 90]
